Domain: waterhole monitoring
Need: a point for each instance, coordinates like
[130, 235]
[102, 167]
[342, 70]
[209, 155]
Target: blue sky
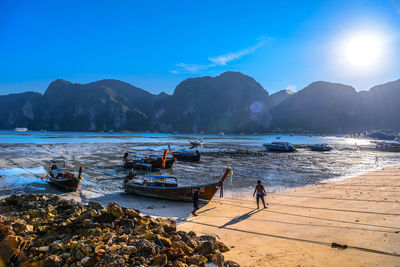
[155, 45]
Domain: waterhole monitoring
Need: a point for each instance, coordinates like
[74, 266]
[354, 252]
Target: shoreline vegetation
[351, 222]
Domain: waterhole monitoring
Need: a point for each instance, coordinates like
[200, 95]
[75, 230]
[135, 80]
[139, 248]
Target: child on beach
[260, 193]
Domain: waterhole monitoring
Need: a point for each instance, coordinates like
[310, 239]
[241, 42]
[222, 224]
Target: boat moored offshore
[22, 129]
[280, 147]
[320, 147]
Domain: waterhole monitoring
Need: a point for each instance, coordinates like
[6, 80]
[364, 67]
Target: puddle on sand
[18, 176]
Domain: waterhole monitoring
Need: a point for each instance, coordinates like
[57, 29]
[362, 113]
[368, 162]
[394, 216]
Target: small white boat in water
[196, 143]
[23, 129]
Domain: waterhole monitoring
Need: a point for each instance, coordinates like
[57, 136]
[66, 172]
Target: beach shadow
[315, 217]
[206, 210]
[322, 208]
[240, 218]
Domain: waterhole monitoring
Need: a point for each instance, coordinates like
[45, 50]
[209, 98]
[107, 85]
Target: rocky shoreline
[46, 230]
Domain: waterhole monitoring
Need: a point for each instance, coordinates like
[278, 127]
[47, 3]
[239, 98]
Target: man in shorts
[260, 193]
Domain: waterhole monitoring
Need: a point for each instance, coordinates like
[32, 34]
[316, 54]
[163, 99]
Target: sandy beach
[299, 225]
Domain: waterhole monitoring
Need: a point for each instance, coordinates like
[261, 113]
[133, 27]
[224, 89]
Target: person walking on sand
[260, 193]
[195, 198]
[376, 161]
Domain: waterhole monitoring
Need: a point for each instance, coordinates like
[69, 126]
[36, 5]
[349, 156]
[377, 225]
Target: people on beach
[196, 203]
[376, 161]
[260, 194]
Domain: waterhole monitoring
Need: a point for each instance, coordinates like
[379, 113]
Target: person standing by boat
[260, 193]
[196, 203]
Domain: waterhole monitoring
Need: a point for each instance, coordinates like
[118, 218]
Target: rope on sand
[316, 218]
[334, 198]
[300, 239]
[305, 224]
[32, 160]
[18, 165]
[372, 185]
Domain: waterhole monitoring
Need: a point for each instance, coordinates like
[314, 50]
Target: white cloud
[222, 60]
[193, 68]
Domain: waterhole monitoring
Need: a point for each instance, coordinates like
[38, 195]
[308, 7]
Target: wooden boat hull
[70, 185]
[156, 165]
[388, 147]
[189, 157]
[275, 149]
[181, 193]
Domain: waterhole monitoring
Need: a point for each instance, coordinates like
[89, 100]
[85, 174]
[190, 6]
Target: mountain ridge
[230, 102]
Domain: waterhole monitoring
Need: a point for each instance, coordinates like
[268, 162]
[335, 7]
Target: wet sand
[299, 225]
[102, 164]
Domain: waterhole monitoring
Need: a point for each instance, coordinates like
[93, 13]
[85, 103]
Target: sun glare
[362, 51]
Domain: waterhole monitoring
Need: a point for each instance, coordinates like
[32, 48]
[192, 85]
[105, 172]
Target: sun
[362, 51]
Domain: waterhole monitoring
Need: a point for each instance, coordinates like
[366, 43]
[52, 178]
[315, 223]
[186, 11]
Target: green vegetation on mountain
[336, 108]
[231, 102]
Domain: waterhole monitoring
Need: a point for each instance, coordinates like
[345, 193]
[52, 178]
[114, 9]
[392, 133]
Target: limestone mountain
[231, 102]
[382, 106]
[66, 106]
[281, 96]
[336, 108]
[20, 110]
[101, 105]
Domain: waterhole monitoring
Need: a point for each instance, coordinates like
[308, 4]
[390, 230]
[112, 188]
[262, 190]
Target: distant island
[231, 102]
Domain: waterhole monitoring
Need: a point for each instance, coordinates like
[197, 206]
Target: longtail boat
[147, 163]
[280, 147]
[320, 147]
[388, 146]
[166, 187]
[62, 177]
[186, 155]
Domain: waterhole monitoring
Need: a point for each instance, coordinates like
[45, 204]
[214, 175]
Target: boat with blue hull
[186, 155]
[320, 147]
[280, 147]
